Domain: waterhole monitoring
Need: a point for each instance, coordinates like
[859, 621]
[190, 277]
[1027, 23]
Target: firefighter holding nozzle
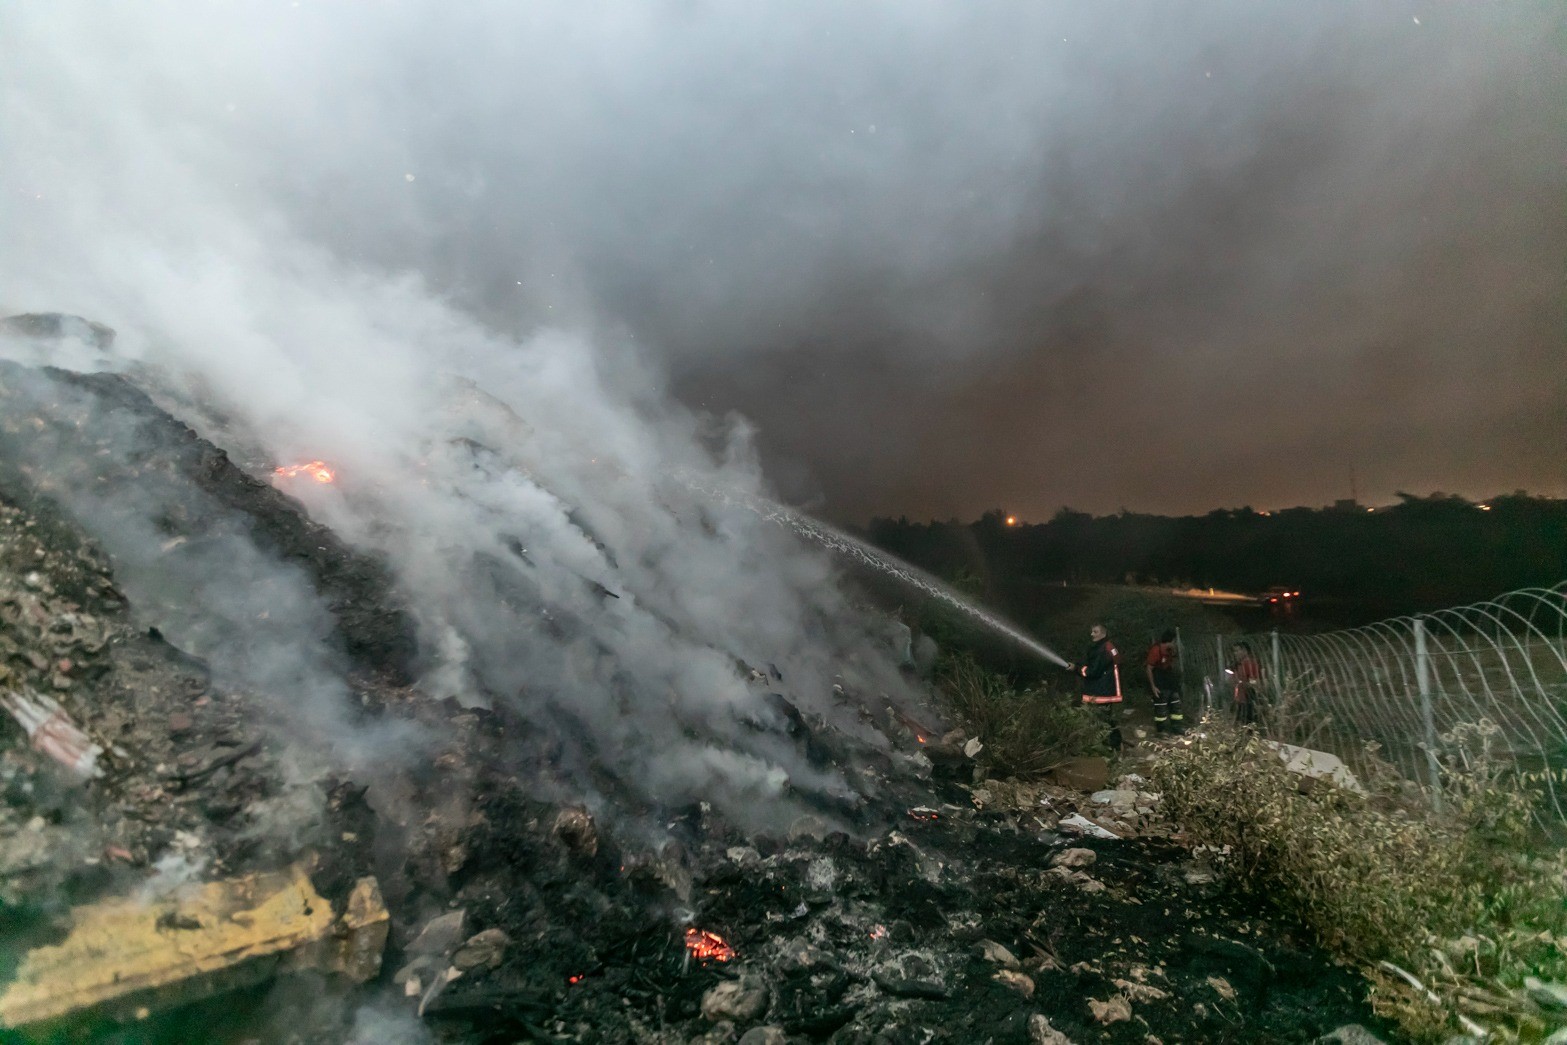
[1100, 676]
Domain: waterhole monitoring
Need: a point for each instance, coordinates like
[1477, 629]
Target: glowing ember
[878, 932]
[317, 470]
[574, 979]
[919, 738]
[923, 813]
[703, 944]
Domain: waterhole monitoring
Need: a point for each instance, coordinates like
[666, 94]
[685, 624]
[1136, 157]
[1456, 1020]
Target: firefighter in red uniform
[1246, 673]
[1100, 671]
[1164, 678]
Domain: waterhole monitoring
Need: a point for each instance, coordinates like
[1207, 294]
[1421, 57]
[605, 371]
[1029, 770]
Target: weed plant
[1449, 912]
[1026, 732]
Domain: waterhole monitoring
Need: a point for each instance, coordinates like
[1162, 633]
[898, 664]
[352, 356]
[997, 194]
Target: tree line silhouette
[1352, 563]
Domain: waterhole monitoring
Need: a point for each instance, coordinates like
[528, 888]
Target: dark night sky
[947, 257]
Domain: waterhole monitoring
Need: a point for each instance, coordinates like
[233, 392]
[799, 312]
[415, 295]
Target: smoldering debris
[551, 868]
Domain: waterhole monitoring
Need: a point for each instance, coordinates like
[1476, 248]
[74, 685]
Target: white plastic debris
[973, 747]
[1318, 765]
[52, 732]
[1080, 824]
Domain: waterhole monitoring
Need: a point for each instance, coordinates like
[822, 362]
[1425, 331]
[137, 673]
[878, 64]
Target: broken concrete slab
[127, 957]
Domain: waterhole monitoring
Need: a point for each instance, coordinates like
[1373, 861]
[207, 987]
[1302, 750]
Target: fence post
[1428, 719]
[1218, 641]
[1276, 668]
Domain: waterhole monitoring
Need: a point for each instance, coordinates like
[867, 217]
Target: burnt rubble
[936, 905]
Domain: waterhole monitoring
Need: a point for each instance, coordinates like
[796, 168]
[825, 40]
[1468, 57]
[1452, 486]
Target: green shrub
[1458, 899]
[1026, 732]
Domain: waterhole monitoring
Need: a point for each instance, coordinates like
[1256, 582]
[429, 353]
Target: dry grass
[1461, 900]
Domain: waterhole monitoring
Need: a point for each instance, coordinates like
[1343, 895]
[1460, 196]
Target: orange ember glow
[878, 932]
[1011, 520]
[574, 979]
[317, 470]
[919, 738]
[703, 944]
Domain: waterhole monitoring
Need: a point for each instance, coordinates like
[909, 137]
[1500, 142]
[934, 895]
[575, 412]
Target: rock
[1015, 980]
[1549, 995]
[764, 1036]
[808, 826]
[1349, 1034]
[1086, 773]
[1113, 1010]
[1074, 858]
[1140, 992]
[796, 953]
[575, 828]
[1222, 987]
[486, 949]
[1316, 766]
[439, 935]
[1077, 823]
[741, 1001]
[996, 954]
[743, 855]
[1040, 1032]
[1114, 799]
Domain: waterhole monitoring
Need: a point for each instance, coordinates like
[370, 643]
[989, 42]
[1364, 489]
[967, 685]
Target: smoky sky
[944, 257]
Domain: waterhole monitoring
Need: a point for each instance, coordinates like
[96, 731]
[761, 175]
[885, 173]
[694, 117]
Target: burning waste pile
[489, 731]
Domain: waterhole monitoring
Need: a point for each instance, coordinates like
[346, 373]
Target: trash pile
[469, 895]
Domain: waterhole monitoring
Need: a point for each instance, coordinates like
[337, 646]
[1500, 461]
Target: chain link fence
[1404, 683]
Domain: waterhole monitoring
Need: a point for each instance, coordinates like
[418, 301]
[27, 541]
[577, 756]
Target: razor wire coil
[1408, 682]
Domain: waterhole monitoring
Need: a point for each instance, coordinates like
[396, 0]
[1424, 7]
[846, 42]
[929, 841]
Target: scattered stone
[1017, 981]
[808, 826]
[1074, 858]
[440, 935]
[740, 1001]
[764, 1036]
[1349, 1034]
[1040, 1032]
[1140, 992]
[996, 954]
[743, 855]
[482, 949]
[1113, 1010]
[575, 828]
[1222, 987]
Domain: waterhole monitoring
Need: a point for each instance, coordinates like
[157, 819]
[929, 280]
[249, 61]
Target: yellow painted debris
[127, 957]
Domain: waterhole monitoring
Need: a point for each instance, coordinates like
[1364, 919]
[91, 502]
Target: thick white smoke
[535, 496]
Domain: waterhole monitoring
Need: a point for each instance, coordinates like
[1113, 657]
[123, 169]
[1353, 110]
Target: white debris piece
[1080, 824]
[1316, 765]
[973, 747]
[52, 732]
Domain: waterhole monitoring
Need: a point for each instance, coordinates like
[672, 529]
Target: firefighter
[1164, 678]
[1246, 674]
[1100, 672]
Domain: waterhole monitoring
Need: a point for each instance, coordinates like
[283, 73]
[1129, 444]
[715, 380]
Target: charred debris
[465, 894]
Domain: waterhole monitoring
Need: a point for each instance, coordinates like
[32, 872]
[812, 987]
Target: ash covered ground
[536, 892]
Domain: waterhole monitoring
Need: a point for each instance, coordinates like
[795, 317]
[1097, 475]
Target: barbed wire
[1408, 682]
